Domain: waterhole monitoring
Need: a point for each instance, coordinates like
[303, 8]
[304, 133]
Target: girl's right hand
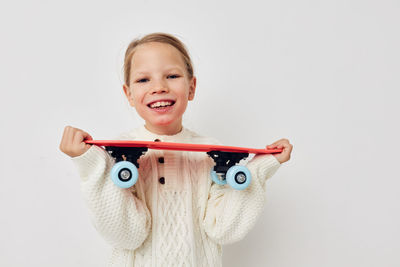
[72, 142]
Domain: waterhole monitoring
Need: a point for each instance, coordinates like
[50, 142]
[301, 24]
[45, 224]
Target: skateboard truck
[226, 171]
[125, 172]
[132, 154]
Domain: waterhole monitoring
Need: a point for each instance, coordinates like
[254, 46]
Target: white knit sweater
[180, 222]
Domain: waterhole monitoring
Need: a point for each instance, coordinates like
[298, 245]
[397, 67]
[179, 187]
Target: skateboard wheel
[215, 178]
[124, 174]
[238, 177]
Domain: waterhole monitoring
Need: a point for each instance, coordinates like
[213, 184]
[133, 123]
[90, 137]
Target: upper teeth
[161, 103]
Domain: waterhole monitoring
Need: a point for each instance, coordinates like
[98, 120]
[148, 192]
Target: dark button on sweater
[162, 180]
[161, 160]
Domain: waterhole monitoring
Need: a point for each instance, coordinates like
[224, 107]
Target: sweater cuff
[265, 164]
[86, 162]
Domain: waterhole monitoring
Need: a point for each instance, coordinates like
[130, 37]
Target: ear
[128, 94]
[192, 88]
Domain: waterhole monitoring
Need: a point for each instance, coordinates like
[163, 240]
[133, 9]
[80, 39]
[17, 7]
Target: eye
[142, 80]
[174, 75]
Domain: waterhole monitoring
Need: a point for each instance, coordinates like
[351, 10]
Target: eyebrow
[145, 72]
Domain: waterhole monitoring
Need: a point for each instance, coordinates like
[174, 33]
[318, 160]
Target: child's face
[159, 86]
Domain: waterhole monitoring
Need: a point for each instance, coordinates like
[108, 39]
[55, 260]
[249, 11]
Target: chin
[164, 122]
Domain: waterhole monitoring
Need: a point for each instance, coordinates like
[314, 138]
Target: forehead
[155, 55]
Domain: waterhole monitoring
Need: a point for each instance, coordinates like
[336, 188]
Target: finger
[69, 136]
[286, 144]
[280, 141]
[89, 137]
[86, 136]
[275, 148]
[63, 139]
[81, 137]
[289, 148]
[78, 137]
[273, 145]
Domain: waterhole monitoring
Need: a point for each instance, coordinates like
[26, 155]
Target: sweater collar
[146, 135]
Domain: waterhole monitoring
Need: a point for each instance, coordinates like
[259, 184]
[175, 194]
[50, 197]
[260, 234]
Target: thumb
[87, 136]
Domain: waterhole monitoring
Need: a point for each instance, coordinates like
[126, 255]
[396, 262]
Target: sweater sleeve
[117, 213]
[230, 213]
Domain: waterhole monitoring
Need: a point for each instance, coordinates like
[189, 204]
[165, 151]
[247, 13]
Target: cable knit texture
[181, 220]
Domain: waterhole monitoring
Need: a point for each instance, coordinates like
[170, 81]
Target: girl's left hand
[287, 149]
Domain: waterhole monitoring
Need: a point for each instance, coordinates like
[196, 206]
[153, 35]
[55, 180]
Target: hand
[287, 149]
[72, 142]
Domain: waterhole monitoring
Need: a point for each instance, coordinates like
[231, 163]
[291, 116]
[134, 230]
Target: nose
[159, 87]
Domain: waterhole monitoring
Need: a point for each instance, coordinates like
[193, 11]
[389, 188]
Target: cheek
[136, 96]
[183, 106]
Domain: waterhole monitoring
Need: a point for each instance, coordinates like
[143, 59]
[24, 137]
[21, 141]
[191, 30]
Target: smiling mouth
[161, 104]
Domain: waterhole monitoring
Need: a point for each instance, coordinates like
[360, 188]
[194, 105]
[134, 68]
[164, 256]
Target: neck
[164, 129]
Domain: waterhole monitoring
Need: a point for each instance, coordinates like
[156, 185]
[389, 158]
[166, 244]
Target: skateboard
[126, 153]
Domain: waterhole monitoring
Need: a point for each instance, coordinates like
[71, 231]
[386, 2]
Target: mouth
[161, 104]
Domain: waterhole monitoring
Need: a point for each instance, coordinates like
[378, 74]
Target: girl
[174, 215]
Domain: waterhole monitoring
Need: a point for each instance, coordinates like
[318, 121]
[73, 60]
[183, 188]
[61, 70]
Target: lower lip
[162, 110]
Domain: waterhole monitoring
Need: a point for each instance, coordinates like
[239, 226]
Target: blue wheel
[215, 178]
[238, 177]
[124, 174]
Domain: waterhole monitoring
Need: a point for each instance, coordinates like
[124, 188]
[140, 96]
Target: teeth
[161, 104]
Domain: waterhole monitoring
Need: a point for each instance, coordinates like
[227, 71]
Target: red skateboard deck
[181, 146]
[125, 171]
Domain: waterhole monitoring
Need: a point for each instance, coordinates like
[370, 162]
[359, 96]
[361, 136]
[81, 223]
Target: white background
[323, 74]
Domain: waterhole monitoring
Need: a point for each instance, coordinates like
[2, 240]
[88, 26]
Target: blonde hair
[161, 38]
